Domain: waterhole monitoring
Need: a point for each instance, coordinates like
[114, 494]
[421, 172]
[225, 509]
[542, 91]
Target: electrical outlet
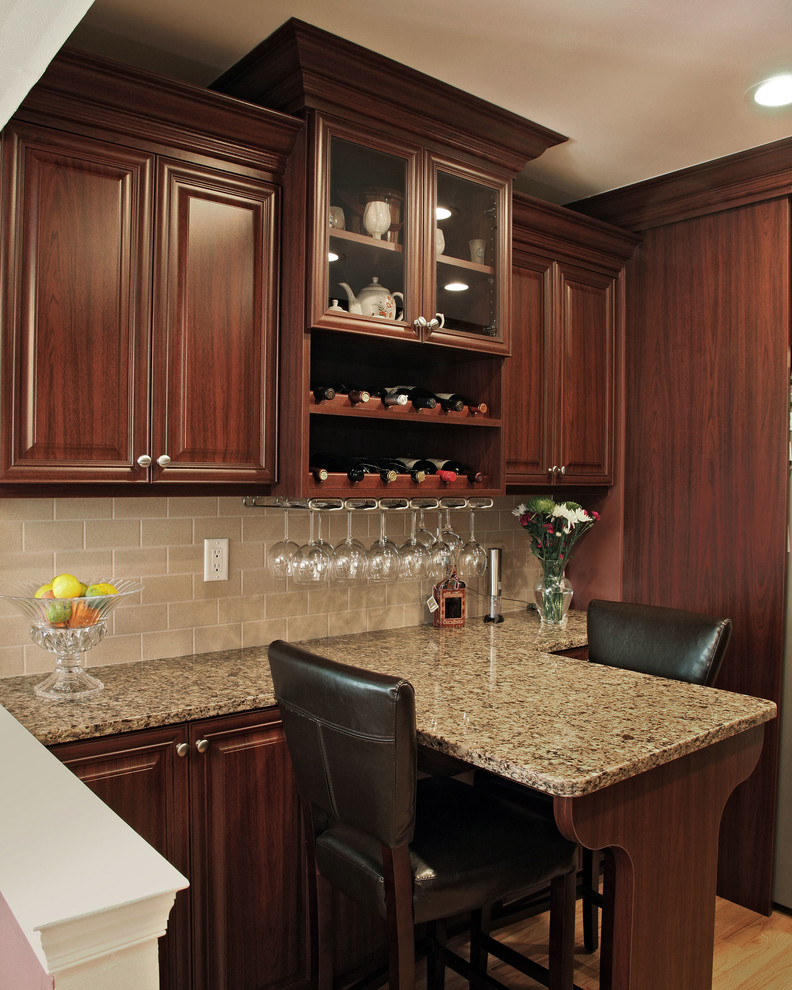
[215, 560]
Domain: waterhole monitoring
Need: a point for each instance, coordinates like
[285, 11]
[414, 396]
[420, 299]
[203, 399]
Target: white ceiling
[641, 87]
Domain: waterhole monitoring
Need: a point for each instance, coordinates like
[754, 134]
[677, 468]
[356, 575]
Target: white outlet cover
[216, 560]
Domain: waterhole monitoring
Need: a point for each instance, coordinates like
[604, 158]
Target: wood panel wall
[705, 479]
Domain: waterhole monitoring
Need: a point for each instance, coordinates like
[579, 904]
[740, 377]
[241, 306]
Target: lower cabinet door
[142, 777]
[250, 913]
[217, 798]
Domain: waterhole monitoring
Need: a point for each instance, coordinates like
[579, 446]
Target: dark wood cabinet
[562, 381]
[214, 343]
[381, 133]
[217, 798]
[142, 778]
[76, 298]
[140, 282]
[247, 856]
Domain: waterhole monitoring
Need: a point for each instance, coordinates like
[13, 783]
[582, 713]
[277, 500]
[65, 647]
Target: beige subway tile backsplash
[112, 533]
[159, 540]
[55, 535]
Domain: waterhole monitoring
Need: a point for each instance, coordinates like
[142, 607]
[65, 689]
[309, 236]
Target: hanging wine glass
[449, 536]
[281, 555]
[422, 535]
[472, 560]
[415, 557]
[441, 562]
[351, 557]
[384, 560]
[313, 562]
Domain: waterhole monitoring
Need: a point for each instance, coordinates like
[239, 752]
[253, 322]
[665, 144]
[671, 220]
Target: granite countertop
[164, 692]
[493, 696]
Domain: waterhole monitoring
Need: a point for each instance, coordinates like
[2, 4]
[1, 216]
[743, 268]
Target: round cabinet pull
[144, 460]
[420, 323]
[163, 460]
[552, 471]
[182, 749]
[562, 470]
[202, 745]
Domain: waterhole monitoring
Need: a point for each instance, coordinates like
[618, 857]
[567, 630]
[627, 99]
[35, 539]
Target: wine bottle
[338, 464]
[388, 398]
[451, 401]
[418, 464]
[443, 464]
[421, 398]
[449, 470]
[354, 393]
[319, 474]
[387, 473]
[323, 392]
[454, 402]
[409, 466]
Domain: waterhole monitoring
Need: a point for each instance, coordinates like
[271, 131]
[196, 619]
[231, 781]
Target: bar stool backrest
[653, 639]
[351, 736]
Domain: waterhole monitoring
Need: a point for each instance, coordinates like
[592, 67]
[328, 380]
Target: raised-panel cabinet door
[214, 339]
[528, 392]
[144, 780]
[251, 923]
[75, 299]
[584, 380]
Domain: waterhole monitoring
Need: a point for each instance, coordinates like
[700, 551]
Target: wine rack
[374, 430]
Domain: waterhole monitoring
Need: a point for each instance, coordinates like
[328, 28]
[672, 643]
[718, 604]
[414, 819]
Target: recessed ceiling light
[775, 91]
[332, 256]
[442, 213]
[456, 287]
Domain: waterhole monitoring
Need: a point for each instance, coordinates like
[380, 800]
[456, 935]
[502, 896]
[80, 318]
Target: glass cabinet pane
[366, 231]
[466, 255]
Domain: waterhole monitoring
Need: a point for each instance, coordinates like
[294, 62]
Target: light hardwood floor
[751, 953]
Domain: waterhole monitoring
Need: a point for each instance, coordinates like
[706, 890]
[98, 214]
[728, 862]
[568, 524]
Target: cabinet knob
[202, 745]
[562, 470]
[144, 460]
[163, 460]
[552, 472]
[182, 749]
[420, 323]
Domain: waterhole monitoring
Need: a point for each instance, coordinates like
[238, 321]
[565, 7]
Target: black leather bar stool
[650, 639]
[411, 851]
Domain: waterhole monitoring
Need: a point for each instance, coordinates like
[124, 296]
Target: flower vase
[553, 592]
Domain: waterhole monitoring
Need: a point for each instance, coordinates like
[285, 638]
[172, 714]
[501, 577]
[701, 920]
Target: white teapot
[374, 300]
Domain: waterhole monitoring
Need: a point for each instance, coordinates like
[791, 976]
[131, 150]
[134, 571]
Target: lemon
[103, 588]
[67, 586]
[42, 589]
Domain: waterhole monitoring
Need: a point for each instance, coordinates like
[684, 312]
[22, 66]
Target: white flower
[519, 510]
[572, 516]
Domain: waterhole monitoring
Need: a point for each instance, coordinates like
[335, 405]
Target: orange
[83, 615]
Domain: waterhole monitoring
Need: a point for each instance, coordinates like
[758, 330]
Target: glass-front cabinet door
[366, 244]
[408, 244]
[470, 245]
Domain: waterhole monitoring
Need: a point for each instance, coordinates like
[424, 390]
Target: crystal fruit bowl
[68, 627]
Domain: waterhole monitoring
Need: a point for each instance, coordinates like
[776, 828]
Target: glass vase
[553, 592]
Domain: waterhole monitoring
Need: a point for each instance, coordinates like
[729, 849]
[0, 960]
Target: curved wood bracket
[660, 829]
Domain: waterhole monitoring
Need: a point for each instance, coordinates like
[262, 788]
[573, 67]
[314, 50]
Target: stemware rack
[368, 504]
